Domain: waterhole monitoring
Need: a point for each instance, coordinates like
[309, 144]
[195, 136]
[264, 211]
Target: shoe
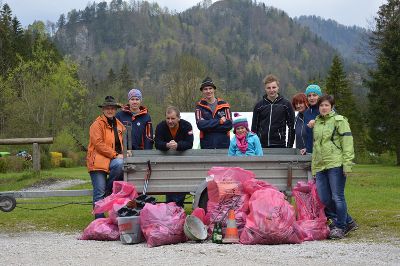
[352, 226]
[336, 233]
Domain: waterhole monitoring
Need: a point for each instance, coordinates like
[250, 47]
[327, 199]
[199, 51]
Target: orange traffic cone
[231, 234]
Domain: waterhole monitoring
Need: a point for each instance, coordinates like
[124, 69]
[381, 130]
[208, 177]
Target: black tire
[203, 200]
[7, 203]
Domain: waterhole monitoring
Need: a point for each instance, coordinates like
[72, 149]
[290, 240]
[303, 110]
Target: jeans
[330, 186]
[178, 198]
[102, 186]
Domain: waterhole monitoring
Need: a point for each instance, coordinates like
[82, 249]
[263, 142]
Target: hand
[311, 123]
[120, 156]
[303, 151]
[223, 119]
[129, 153]
[172, 145]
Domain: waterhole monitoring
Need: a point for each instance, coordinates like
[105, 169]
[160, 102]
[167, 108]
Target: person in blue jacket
[313, 93]
[244, 143]
[174, 134]
[213, 118]
[300, 104]
[138, 117]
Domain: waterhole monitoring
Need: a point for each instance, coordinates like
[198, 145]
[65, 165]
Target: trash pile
[240, 209]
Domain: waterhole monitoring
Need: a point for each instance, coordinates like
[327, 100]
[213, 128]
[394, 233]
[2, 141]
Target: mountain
[349, 41]
[240, 41]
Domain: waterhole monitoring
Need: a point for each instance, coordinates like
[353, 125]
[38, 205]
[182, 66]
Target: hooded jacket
[333, 143]
[184, 136]
[214, 134]
[270, 119]
[310, 114]
[253, 149]
[142, 128]
[101, 147]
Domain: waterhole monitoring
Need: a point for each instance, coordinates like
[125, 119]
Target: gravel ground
[43, 248]
[55, 184]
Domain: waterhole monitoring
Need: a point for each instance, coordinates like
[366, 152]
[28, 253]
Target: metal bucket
[194, 228]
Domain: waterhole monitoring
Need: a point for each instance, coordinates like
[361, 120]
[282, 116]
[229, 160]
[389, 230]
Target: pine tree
[384, 96]
[345, 104]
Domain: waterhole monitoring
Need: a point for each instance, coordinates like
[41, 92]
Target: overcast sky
[347, 12]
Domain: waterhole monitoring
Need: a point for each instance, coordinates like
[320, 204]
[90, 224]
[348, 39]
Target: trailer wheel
[7, 203]
[203, 200]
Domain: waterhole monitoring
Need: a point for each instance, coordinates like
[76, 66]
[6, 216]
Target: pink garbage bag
[308, 204]
[122, 193]
[252, 185]
[314, 229]
[271, 220]
[162, 224]
[199, 213]
[102, 229]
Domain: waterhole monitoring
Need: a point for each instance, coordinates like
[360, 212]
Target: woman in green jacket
[332, 157]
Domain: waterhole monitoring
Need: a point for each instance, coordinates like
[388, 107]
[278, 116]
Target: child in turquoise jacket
[244, 143]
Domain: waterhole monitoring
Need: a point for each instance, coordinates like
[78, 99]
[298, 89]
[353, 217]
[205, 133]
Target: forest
[53, 75]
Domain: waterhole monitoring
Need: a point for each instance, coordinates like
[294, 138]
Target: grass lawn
[372, 194]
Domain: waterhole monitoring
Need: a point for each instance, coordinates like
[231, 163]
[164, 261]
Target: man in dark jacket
[177, 135]
[213, 118]
[174, 133]
[271, 115]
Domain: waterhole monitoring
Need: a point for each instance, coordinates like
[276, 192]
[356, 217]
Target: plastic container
[129, 228]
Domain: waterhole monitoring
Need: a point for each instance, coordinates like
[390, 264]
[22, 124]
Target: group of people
[317, 130]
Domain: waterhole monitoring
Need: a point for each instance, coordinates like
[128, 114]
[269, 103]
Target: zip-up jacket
[300, 130]
[101, 147]
[184, 136]
[214, 134]
[253, 148]
[142, 128]
[270, 119]
[310, 114]
[333, 143]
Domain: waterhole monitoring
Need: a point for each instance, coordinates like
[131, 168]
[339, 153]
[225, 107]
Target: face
[134, 103]
[241, 130]
[272, 89]
[312, 98]
[300, 107]
[109, 111]
[208, 92]
[172, 119]
[325, 108]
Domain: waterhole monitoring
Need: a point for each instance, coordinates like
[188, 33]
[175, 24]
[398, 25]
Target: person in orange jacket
[104, 155]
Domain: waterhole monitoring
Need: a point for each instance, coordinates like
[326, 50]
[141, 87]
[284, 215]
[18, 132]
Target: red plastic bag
[101, 229]
[314, 229]
[308, 204]
[199, 213]
[121, 194]
[271, 220]
[162, 224]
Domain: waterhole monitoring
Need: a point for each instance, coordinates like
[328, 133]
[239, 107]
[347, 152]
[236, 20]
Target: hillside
[349, 41]
[239, 41]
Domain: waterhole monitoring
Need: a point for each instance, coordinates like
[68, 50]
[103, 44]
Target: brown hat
[110, 101]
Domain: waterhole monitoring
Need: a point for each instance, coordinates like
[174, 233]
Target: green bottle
[219, 234]
[214, 233]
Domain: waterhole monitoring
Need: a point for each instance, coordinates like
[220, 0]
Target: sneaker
[330, 223]
[336, 233]
[352, 226]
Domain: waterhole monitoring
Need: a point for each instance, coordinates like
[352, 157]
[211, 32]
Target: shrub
[64, 143]
[79, 158]
[45, 160]
[66, 163]
[14, 164]
[55, 158]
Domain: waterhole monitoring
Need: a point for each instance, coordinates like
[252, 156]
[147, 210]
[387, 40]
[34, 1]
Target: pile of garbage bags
[262, 213]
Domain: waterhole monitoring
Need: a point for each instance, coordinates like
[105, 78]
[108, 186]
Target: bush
[14, 164]
[45, 160]
[64, 143]
[66, 163]
[78, 158]
[55, 158]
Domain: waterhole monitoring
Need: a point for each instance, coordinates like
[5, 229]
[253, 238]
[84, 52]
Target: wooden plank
[36, 157]
[26, 141]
